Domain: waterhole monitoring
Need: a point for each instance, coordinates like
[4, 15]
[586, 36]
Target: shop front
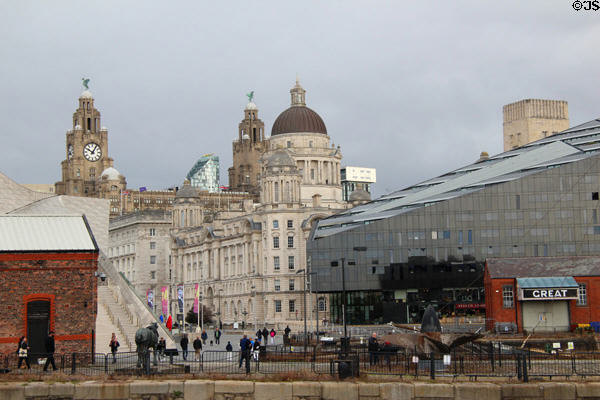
[545, 303]
[541, 294]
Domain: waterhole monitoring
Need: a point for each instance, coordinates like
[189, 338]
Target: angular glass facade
[428, 243]
[204, 175]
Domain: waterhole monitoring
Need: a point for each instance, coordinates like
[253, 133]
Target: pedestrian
[229, 349]
[245, 352]
[218, 336]
[161, 346]
[204, 336]
[256, 348]
[50, 351]
[184, 346]
[23, 353]
[197, 347]
[114, 345]
[265, 334]
[258, 333]
[19, 345]
[272, 333]
[373, 348]
[287, 330]
[387, 351]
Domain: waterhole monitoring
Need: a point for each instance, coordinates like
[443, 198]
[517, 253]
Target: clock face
[92, 152]
[70, 152]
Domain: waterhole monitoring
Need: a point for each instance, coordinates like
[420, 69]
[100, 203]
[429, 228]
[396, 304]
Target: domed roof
[298, 119]
[86, 94]
[280, 158]
[186, 191]
[251, 106]
[359, 195]
[111, 174]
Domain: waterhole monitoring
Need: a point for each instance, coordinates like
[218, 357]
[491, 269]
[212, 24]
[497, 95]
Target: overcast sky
[414, 89]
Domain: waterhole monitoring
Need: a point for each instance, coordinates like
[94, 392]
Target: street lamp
[244, 313]
[303, 271]
[346, 340]
[220, 291]
[253, 295]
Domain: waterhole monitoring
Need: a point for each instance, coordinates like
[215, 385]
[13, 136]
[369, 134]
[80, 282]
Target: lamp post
[244, 313]
[220, 291]
[346, 340]
[253, 295]
[311, 274]
[300, 271]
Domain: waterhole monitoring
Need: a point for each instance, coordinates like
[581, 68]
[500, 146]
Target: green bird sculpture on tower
[85, 82]
[250, 96]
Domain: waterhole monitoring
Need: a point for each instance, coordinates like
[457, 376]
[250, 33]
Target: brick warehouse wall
[65, 279]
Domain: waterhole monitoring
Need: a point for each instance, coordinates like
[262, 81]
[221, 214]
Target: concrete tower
[532, 119]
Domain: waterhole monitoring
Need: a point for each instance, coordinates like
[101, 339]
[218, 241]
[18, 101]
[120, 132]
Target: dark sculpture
[146, 338]
[430, 322]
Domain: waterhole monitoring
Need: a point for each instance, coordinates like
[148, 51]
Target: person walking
[272, 334]
[23, 353]
[184, 346]
[114, 345]
[373, 348]
[197, 347]
[204, 336]
[161, 346]
[218, 336]
[265, 334]
[245, 348]
[229, 349]
[259, 333]
[50, 351]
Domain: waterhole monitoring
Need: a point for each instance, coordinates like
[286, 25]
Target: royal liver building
[249, 254]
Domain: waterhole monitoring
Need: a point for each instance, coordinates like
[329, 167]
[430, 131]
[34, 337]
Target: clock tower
[86, 151]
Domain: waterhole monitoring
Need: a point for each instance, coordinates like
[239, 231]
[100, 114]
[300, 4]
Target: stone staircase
[120, 318]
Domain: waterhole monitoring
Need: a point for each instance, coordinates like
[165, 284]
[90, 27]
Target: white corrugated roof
[45, 233]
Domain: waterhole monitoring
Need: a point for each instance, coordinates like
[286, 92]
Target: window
[518, 201]
[292, 306]
[276, 263]
[289, 144]
[152, 259]
[460, 237]
[470, 237]
[275, 242]
[507, 297]
[291, 264]
[276, 192]
[321, 304]
[292, 285]
[277, 285]
[153, 245]
[594, 195]
[275, 224]
[290, 242]
[290, 223]
[152, 232]
[312, 173]
[92, 173]
[78, 173]
[152, 274]
[277, 305]
[582, 295]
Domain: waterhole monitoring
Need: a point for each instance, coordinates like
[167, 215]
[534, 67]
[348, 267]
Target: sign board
[447, 359]
[415, 360]
[570, 346]
[556, 345]
[548, 294]
[462, 306]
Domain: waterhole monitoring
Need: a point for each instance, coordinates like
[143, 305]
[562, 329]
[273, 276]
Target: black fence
[496, 362]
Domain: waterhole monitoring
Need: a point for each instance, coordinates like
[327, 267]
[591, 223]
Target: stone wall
[247, 390]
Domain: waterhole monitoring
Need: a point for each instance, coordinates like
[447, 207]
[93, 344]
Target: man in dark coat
[373, 348]
[265, 334]
[184, 346]
[245, 348]
[50, 351]
[218, 336]
[197, 347]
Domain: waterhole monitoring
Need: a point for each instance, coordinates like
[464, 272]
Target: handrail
[131, 296]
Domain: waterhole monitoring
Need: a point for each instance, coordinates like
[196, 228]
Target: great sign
[550, 294]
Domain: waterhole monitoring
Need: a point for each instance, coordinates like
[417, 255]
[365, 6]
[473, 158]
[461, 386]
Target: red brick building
[47, 282]
[549, 294]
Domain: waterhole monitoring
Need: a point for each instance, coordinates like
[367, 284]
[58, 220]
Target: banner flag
[150, 298]
[165, 300]
[180, 298]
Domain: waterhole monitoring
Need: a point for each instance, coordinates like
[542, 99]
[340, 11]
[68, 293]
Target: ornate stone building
[247, 149]
[250, 260]
[89, 171]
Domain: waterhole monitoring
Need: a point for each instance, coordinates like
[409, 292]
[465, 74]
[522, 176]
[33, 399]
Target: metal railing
[522, 364]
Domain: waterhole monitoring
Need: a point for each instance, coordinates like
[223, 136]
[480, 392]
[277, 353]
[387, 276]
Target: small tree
[192, 318]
